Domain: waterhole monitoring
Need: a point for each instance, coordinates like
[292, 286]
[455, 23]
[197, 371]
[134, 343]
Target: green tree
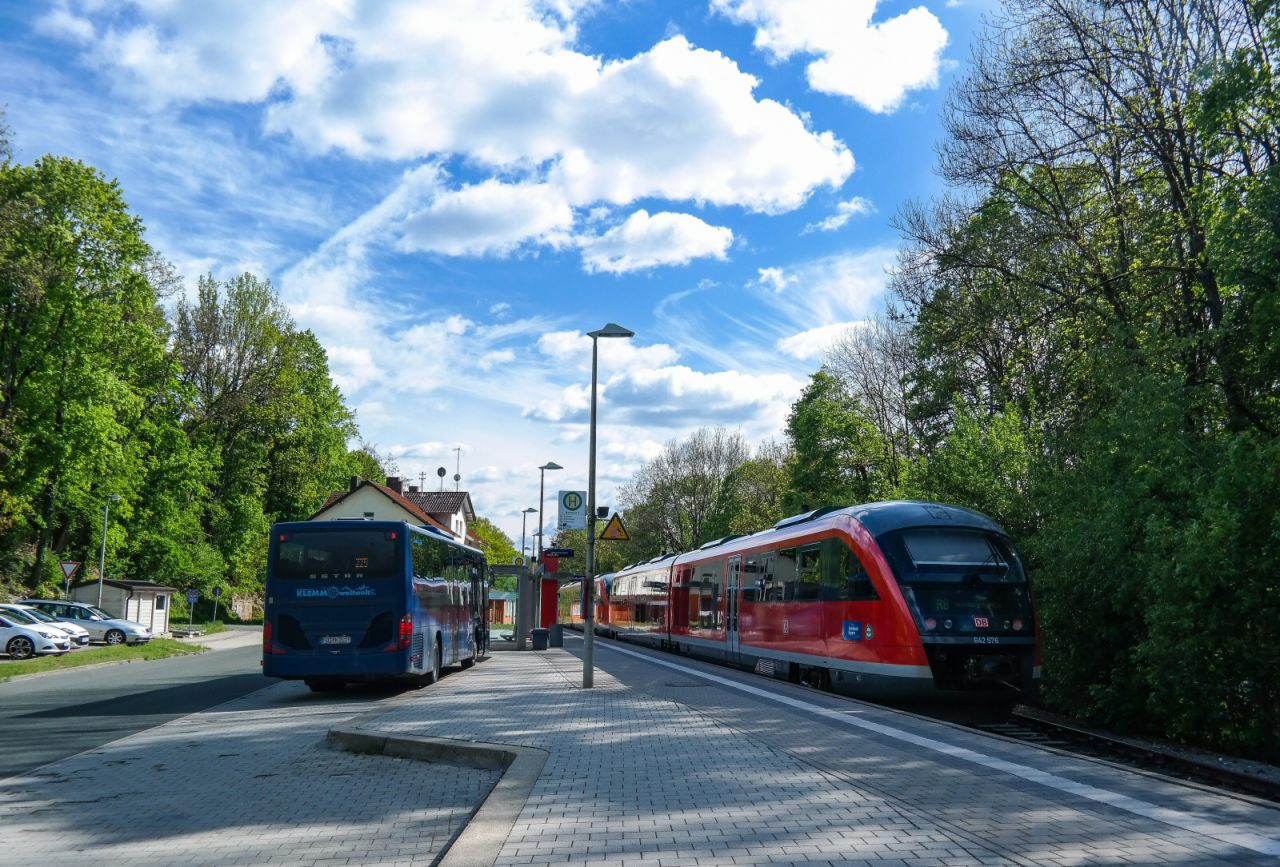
[838, 455]
[751, 496]
[265, 412]
[87, 392]
[672, 497]
[497, 546]
[1095, 318]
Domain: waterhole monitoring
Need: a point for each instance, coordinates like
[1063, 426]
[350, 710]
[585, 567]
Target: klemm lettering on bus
[335, 592]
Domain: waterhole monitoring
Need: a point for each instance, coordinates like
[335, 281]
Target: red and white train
[900, 599]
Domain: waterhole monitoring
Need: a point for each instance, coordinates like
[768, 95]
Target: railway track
[1036, 727]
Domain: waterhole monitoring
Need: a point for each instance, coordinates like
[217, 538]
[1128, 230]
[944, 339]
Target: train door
[731, 604]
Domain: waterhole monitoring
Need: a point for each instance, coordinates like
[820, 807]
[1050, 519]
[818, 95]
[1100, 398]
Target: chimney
[413, 489]
[393, 482]
[355, 483]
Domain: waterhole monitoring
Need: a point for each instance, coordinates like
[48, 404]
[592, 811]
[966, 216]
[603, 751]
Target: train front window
[960, 582]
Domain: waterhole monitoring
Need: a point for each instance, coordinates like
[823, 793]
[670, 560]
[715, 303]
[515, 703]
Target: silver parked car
[101, 625]
[23, 641]
[78, 635]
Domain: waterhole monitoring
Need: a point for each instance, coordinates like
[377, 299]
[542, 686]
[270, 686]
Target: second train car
[902, 599]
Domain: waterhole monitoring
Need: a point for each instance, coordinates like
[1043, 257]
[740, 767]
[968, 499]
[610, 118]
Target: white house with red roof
[366, 499]
[450, 511]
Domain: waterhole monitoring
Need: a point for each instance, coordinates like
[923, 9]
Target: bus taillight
[406, 631]
[266, 638]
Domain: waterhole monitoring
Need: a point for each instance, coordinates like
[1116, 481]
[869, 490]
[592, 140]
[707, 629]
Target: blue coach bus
[360, 600]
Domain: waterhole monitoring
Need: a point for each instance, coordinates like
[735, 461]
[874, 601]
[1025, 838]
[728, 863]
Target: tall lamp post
[542, 479]
[102, 556]
[588, 581]
[524, 516]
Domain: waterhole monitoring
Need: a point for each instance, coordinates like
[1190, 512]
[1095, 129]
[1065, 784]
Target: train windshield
[346, 555]
[960, 582]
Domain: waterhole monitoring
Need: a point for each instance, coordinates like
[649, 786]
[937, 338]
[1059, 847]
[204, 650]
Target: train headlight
[946, 624]
[1017, 625]
[1007, 624]
[930, 624]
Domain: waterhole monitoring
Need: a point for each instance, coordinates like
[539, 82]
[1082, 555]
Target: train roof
[877, 518]
[899, 514]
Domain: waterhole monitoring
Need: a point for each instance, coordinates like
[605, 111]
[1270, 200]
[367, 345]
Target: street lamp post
[524, 516]
[588, 581]
[542, 479]
[102, 556]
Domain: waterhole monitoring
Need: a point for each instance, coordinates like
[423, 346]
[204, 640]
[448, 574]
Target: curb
[480, 839]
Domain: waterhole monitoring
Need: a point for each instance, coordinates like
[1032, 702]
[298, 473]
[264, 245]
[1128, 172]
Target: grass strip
[157, 648]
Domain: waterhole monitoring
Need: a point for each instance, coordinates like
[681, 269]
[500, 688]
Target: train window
[808, 584]
[749, 580]
[844, 578]
[770, 587]
[704, 595]
[950, 548]
[784, 574]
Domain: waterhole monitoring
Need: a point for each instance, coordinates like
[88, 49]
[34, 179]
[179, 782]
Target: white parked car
[78, 634]
[22, 641]
[101, 625]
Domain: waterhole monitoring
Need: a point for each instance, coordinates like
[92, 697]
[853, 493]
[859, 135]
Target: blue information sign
[853, 630]
[564, 553]
[192, 596]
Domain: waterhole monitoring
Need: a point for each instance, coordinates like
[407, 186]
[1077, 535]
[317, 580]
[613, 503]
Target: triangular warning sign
[69, 567]
[614, 530]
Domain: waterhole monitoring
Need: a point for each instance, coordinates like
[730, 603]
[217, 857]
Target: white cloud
[502, 308]
[61, 23]
[573, 348]
[490, 360]
[875, 64]
[774, 278]
[645, 241]
[845, 211]
[489, 217]
[498, 83]
[813, 344]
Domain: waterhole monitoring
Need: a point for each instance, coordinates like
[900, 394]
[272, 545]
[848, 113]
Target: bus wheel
[433, 670]
[470, 660]
[316, 685]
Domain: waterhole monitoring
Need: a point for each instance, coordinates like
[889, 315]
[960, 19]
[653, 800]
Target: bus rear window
[337, 555]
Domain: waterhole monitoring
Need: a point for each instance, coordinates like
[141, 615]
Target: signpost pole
[192, 596]
[217, 591]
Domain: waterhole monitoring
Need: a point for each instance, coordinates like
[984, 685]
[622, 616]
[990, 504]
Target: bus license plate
[335, 639]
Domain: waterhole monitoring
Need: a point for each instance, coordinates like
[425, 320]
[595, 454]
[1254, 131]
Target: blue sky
[452, 194]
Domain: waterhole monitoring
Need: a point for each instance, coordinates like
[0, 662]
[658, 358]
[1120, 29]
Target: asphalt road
[49, 717]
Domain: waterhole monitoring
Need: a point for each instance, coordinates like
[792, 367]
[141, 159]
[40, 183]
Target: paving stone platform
[654, 767]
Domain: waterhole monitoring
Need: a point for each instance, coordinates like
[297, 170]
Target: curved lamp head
[551, 465]
[611, 330]
[529, 511]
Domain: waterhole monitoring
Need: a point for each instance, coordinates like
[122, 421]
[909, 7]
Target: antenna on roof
[457, 472]
[440, 471]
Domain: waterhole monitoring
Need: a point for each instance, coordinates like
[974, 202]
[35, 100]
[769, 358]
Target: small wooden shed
[142, 602]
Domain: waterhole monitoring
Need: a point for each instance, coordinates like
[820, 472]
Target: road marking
[1176, 818]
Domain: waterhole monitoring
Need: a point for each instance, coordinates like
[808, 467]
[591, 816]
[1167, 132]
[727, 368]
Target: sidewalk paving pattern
[236, 786]
[661, 777]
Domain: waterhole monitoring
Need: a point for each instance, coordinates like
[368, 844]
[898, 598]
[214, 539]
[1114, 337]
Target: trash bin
[539, 638]
[557, 635]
